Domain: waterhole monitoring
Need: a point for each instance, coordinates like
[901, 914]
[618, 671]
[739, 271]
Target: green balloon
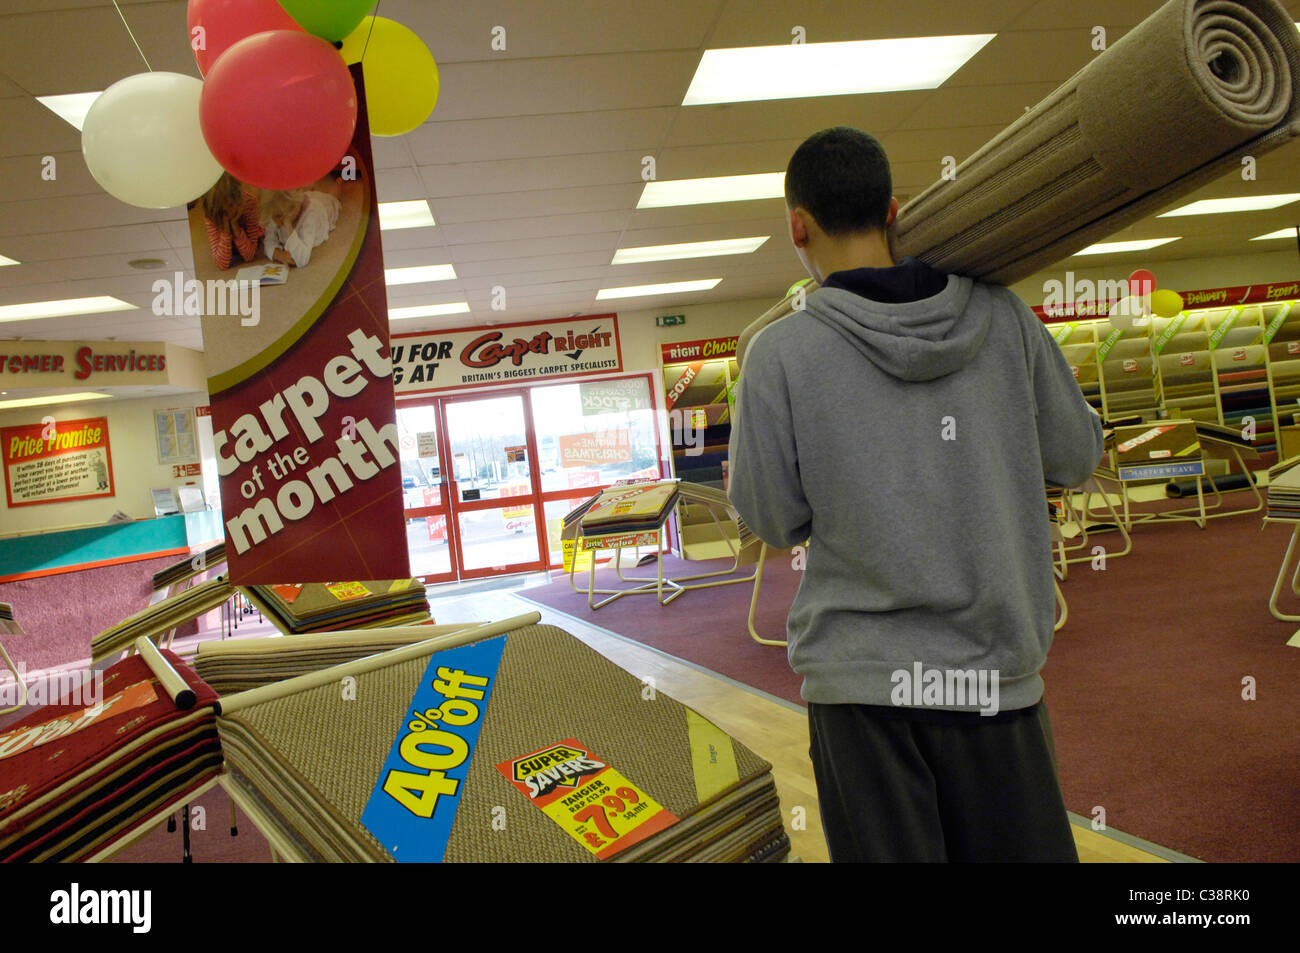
[329, 19]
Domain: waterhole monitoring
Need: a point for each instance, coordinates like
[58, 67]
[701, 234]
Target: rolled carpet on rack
[1174, 104]
[237, 665]
[1177, 489]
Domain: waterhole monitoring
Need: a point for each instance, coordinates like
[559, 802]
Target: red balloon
[216, 25]
[278, 109]
[1141, 282]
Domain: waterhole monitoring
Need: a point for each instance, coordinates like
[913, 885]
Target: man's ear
[893, 211]
[798, 228]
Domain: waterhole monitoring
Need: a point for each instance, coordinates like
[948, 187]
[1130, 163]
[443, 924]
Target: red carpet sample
[1144, 683]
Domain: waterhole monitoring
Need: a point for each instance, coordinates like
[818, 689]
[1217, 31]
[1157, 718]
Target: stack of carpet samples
[325, 607]
[83, 773]
[506, 742]
[1284, 494]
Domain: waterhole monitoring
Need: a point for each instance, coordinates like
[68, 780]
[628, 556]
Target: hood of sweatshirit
[915, 340]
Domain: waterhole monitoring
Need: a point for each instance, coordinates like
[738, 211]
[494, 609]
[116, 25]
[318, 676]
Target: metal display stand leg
[1085, 515]
[1281, 574]
[753, 600]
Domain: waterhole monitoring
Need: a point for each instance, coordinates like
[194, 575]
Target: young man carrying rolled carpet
[904, 423]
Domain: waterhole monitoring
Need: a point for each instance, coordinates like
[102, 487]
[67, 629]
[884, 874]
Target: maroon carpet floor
[210, 840]
[1144, 683]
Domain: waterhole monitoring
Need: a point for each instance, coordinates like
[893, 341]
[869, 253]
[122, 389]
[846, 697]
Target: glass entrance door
[429, 530]
[493, 484]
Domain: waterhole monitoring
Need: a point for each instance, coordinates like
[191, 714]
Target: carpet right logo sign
[598, 807]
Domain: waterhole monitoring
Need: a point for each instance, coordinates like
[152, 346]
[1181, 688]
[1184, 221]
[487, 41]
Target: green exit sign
[670, 320]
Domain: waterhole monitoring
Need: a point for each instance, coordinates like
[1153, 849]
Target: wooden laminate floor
[772, 728]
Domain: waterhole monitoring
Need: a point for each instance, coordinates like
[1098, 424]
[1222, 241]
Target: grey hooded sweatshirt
[909, 443]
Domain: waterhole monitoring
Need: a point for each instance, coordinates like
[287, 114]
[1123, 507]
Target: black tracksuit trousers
[938, 786]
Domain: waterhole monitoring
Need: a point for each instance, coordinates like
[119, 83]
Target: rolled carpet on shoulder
[1171, 106]
[1174, 104]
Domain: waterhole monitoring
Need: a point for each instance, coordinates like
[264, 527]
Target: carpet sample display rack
[581, 543]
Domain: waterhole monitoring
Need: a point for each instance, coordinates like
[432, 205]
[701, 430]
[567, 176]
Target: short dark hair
[841, 177]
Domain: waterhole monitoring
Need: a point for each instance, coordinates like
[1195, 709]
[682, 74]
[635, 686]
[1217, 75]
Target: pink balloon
[1141, 282]
[278, 109]
[216, 25]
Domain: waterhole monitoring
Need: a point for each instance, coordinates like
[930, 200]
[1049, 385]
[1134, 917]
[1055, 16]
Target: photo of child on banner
[304, 419]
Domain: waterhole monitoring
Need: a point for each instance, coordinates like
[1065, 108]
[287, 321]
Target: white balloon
[143, 143]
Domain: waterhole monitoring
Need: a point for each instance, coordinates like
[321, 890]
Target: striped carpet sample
[83, 773]
[190, 566]
[159, 618]
[237, 665]
[628, 773]
[1284, 495]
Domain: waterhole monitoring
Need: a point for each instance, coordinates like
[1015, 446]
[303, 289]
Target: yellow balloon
[1166, 303]
[401, 77]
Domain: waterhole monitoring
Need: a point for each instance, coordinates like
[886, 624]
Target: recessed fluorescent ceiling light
[52, 399]
[1111, 248]
[1280, 233]
[721, 188]
[801, 70]
[418, 274]
[71, 107]
[672, 287]
[62, 308]
[395, 215]
[1253, 203]
[727, 246]
[427, 310]
[8, 261]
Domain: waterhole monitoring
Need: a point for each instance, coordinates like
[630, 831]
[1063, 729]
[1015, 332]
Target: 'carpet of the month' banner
[296, 347]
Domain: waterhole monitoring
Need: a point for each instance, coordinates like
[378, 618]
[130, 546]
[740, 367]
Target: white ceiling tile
[573, 28]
